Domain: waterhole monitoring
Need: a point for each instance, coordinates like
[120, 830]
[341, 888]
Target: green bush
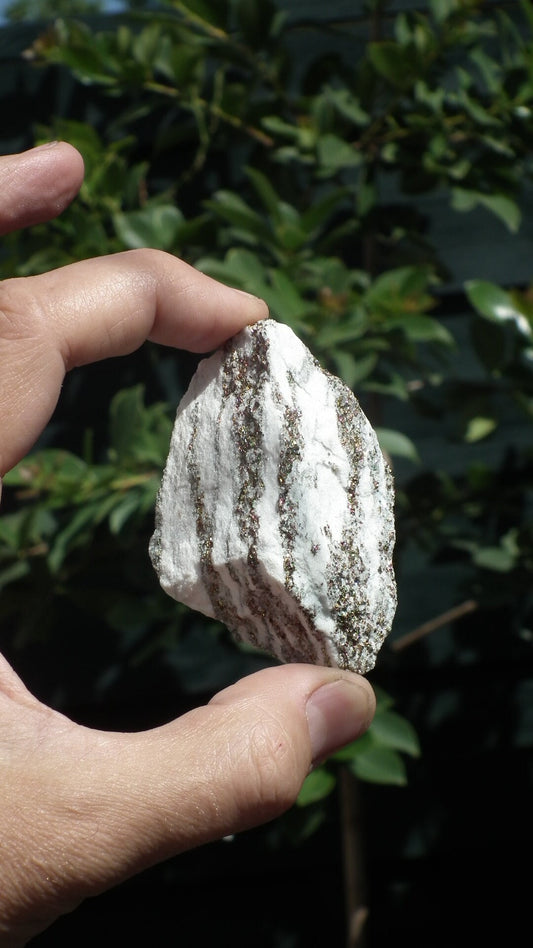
[301, 161]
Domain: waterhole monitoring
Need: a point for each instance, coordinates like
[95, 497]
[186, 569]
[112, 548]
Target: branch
[470, 605]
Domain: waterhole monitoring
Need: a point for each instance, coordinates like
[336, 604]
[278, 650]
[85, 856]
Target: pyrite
[275, 512]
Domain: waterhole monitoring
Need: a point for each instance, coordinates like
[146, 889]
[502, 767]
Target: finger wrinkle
[21, 314]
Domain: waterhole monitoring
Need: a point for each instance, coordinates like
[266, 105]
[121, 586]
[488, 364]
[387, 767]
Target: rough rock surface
[275, 513]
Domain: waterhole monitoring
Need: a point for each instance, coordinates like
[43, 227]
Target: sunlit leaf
[155, 226]
[479, 428]
[497, 304]
[397, 444]
[494, 558]
[500, 205]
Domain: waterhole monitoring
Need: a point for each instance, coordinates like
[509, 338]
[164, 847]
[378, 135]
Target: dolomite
[275, 512]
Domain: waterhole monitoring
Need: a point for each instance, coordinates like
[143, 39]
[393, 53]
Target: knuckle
[21, 316]
[275, 766]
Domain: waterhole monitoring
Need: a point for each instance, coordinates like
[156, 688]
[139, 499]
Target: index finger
[95, 309]
[38, 184]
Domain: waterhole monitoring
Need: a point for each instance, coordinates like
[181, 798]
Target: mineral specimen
[275, 512]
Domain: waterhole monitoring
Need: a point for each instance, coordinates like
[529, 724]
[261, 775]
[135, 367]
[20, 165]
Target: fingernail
[337, 713]
[261, 308]
[45, 145]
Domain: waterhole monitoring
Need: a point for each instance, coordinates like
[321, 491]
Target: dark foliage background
[366, 167]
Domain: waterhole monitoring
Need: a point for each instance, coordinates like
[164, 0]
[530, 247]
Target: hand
[81, 810]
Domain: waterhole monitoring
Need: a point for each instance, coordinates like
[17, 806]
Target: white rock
[275, 513]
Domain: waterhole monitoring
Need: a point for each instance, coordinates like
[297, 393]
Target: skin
[81, 809]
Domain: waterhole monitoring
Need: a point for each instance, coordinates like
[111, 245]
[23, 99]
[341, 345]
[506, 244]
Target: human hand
[81, 809]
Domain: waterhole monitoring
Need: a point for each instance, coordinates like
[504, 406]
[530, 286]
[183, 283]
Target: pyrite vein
[275, 512]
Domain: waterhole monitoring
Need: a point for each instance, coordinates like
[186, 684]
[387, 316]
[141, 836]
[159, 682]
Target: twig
[470, 605]
[212, 108]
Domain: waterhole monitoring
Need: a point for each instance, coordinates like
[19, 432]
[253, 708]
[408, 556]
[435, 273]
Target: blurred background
[366, 168]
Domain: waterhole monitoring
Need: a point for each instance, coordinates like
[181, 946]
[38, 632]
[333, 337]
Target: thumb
[108, 805]
[248, 752]
[237, 762]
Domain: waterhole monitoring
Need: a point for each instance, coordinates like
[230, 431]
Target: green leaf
[236, 211]
[204, 12]
[126, 508]
[346, 103]
[269, 196]
[240, 268]
[11, 574]
[145, 44]
[317, 785]
[504, 208]
[323, 208]
[361, 746]
[126, 420]
[334, 154]
[494, 558]
[402, 289]
[500, 205]
[474, 108]
[32, 526]
[421, 328]
[383, 700]
[397, 444]
[502, 558]
[87, 63]
[497, 305]
[393, 731]
[289, 231]
[353, 370]
[341, 333]
[490, 69]
[393, 62]
[178, 63]
[479, 428]
[157, 226]
[395, 385]
[379, 765]
[80, 526]
[289, 303]
[442, 9]
[434, 99]
[139, 434]
[47, 469]
[367, 197]
[277, 126]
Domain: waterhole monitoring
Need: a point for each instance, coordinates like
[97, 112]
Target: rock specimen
[275, 513]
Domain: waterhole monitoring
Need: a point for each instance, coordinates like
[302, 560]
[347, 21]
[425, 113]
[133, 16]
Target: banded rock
[275, 512]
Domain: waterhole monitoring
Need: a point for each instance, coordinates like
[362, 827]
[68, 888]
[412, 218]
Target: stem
[353, 859]
[126, 482]
[470, 605]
